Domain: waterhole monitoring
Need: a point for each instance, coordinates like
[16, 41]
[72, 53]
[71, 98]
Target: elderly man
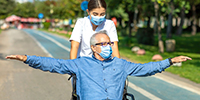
[98, 77]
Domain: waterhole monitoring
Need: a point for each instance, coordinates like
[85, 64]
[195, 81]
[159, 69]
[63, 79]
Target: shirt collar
[110, 58]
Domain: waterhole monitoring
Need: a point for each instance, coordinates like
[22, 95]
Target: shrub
[145, 36]
[47, 25]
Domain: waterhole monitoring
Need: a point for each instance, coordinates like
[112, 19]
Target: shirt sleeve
[77, 31]
[146, 69]
[52, 65]
[113, 32]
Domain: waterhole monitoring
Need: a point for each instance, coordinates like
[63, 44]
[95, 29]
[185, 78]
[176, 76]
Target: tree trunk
[148, 22]
[194, 28]
[170, 16]
[120, 20]
[135, 19]
[180, 27]
[130, 16]
[160, 42]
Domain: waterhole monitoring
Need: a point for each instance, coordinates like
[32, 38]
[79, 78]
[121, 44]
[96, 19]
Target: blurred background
[164, 27]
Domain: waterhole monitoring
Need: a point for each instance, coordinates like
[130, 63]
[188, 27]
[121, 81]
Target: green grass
[186, 44]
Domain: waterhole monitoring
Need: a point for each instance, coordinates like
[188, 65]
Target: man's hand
[180, 59]
[17, 57]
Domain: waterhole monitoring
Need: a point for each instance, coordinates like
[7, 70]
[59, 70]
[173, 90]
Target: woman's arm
[74, 49]
[115, 50]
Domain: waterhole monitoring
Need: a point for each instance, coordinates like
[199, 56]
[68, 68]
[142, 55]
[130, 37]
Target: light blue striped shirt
[98, 80]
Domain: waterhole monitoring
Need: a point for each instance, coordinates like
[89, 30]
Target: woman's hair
[96, 4]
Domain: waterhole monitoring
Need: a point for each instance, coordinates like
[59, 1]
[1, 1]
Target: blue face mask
[106, 52]
[97, 20]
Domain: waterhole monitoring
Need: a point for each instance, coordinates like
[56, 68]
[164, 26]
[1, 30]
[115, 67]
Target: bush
[145, 36]
[47, 25]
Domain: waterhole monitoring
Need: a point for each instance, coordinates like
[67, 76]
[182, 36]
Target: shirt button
[104, 79]
[106, 90]
[103, 68]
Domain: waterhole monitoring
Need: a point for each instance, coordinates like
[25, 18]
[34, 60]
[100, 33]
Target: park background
[145, 24]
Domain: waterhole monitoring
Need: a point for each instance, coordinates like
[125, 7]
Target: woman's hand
[17, 57]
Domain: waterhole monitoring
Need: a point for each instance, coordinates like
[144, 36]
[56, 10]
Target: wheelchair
[76, 97]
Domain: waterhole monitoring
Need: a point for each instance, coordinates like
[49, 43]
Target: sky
[21, 1]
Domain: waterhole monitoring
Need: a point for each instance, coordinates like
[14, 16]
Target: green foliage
[161, 2]
[62, 9]
[6, 6]
[21, 10]
[46, 25]
[68, 9]
[193, 2]
[145, 36]
[182, 4]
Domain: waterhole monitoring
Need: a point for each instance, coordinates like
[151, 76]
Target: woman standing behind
[87, 26]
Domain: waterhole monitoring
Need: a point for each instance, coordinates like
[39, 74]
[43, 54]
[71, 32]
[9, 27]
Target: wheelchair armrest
[130, 95]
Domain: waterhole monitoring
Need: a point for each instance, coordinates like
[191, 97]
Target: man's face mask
[97, 20]
[106, 52]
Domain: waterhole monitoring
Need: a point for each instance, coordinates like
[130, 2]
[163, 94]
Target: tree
[23, 11]
[170, 16]
[160, 42]
[158, 27]
[6, 7]
[194, 19]
[128, 7]
[184, 6]
[146, 10]
[69, 9]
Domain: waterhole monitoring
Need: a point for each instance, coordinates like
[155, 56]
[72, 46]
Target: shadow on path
[2, 56]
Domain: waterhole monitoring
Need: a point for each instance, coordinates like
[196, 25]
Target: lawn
[186, 44]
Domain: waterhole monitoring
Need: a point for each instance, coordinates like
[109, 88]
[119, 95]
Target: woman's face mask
[96, 20]
[97, 15]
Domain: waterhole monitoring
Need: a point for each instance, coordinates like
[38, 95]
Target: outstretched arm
[152, 68]
[47, 64]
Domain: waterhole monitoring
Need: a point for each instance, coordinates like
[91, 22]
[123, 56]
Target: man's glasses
[105, 43]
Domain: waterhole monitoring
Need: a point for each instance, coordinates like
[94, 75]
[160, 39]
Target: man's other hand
[17, 57]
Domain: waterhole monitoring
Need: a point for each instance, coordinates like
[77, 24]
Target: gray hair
[93, 40]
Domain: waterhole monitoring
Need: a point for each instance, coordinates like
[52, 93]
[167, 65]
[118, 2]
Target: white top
[83, 31]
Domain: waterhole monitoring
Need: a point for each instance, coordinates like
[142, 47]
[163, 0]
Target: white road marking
[142, 91]
[51, 39]
[178, 83]
[38, 43]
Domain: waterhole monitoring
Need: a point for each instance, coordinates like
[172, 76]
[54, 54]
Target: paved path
[163, 86]
[20, 82]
